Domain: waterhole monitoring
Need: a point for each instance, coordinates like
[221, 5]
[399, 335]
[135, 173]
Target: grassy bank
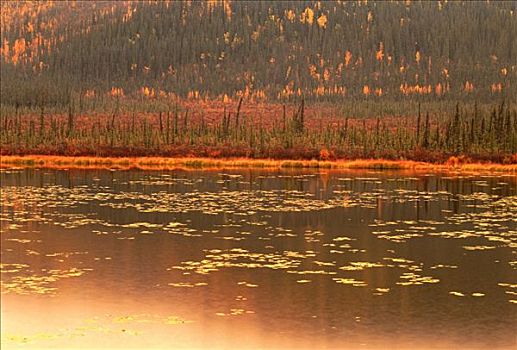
[162, 163]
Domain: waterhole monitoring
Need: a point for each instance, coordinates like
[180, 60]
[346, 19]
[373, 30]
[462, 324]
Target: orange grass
[162, 163]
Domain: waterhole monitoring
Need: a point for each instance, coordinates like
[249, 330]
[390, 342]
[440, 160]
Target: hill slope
[274, 50]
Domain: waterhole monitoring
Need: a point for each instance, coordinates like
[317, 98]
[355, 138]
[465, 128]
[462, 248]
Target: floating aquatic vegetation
[247, 284]
[324, 263]
[478, 247]
[187, 284]
[350, 281]
[234, 312]
[312, 272]
[22, 240]
[42, 283]
[410, 278]
[65, 254]
[360, 265]
[443, 266]
[381, 291]
[141, 224]
[12, 268]
[173, 320]
[217, 259]
[96, 326]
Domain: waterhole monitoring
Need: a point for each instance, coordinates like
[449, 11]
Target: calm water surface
[256, 259]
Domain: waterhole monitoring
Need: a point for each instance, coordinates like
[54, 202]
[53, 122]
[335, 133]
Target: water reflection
[258, 259]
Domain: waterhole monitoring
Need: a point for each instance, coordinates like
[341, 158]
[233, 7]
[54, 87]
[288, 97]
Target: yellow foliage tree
[307, 16]
[322, 21]
[380, 53]
[348, 58]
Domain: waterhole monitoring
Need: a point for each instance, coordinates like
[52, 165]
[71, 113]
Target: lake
[258, 259]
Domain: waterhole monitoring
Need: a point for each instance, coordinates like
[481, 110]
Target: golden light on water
[255, 259]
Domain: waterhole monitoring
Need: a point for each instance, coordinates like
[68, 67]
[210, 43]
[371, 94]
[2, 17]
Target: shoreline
[164, 163]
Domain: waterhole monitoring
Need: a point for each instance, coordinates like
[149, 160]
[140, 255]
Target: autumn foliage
[324, 51]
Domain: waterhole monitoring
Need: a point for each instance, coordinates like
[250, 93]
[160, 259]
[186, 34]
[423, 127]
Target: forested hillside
[260, 50]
